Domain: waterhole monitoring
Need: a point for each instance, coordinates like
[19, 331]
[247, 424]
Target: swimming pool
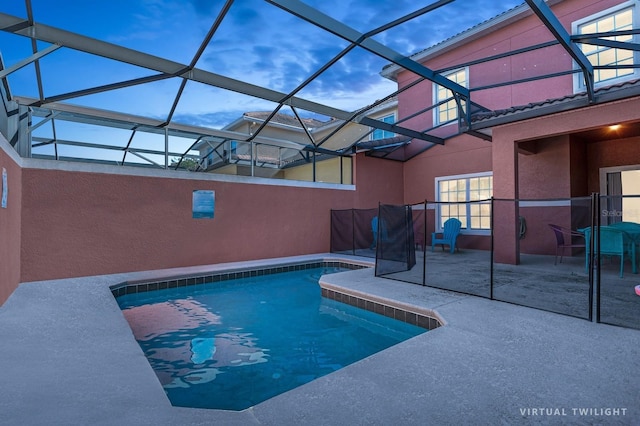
[233, 344]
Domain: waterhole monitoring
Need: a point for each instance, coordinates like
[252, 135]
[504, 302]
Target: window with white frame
[383, 134]
[466, 198]
[619, 18]
[448, 110]
[621, 184]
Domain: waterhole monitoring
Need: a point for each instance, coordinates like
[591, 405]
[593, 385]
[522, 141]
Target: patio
[413, 130]
[70, 358]
[535, 282]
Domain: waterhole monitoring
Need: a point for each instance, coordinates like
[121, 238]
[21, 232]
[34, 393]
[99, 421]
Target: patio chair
[382, 232]
[448, 236]
[564, 240]
[614, 242]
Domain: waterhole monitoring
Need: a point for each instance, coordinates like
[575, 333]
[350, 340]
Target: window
[383, 134]
[622, 186]
[620, 18]
[463, 197]
[448, 111]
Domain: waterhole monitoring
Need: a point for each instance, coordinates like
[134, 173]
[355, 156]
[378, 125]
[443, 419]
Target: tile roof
[615, 91]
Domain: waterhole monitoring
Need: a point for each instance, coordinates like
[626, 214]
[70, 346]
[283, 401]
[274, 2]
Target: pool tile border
[401, 314]
[425, 318]
[132, 287]
[386, 308]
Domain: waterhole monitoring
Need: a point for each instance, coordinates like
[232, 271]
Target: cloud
[256, 42]
[214, 121]
[204, 7]
[442, 23]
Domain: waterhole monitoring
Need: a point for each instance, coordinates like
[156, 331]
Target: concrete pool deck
[69, 358]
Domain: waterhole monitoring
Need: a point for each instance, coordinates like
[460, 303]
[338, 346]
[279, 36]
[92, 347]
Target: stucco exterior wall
[616, 152]
[79, 223]
[10, 222]
[377, 181]
[552, 165]
[539, 238]
[521, 33]
[563, 161]
[579, 168]
[461, 155]
[558, 166]
[547, 173]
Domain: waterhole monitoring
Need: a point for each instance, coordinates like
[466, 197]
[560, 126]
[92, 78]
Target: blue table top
[632, 229]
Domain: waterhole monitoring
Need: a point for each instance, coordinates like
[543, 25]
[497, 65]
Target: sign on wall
[5, 188]
[203, 204]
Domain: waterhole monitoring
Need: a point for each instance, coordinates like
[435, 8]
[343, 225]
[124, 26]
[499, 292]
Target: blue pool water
[233, 344]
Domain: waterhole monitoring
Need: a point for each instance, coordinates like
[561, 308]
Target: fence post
[590, 251]
[424, 241]
[597, 253]
[593, 260]
[491, 252]
[379, 252]
[353, 232]
[331, 232]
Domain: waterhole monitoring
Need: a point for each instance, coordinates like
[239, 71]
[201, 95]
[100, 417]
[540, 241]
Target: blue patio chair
[384, 236]
[614, 242]
[448, 236]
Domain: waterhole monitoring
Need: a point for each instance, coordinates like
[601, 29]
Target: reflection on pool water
[233, 344]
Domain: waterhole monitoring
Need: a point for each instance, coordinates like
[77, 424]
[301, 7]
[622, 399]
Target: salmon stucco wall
[614, 152]
[10, 222]
[377, 181]
[546, 174]
[548, 130]
[78, 223]
[487, 78]
[461, 155]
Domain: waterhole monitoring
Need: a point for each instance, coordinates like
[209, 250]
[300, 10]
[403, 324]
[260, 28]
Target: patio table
[630, 229]
[633, 231]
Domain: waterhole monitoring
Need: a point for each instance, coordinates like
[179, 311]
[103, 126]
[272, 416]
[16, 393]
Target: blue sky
[257, 43]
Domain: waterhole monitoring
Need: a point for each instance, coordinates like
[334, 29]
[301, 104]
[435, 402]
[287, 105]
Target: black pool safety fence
[351, 232]
[574, 256]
